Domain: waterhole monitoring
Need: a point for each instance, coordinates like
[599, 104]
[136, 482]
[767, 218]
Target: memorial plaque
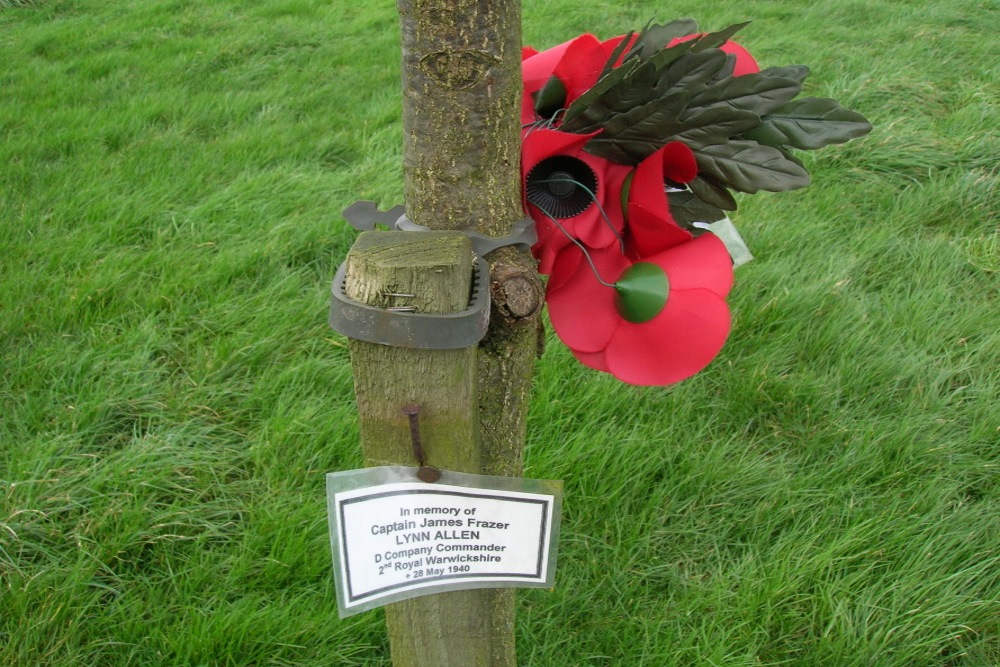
[394, 537]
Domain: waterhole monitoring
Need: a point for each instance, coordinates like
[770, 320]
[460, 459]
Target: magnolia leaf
[691, 71]
[715, 126]
[613, 58]
[714, 40]
[654, 38]
[632, 92]
[726, 71]
[810, 123]
[671, 54]
[631, 137]
[686, 208]
[750, 92]
[797, 72]
[581, 105]
[750, 167]
[713, 193]
[551, 98]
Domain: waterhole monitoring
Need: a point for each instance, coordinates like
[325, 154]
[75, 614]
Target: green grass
[825, 493]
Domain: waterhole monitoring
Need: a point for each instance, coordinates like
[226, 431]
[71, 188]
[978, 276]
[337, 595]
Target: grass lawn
[171, 176]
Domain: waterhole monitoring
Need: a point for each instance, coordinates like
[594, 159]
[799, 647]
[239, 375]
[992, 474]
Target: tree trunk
[461, 111]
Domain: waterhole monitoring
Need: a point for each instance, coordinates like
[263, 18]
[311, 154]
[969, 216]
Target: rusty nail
[425, 473]
[411, 411]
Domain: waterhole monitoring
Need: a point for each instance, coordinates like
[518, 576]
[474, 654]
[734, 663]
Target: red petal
[527, 52]
[650, 224]
[569, 61]
[582, 310]
[550, 240]
[581, 65]
[536, 145]
[745, 63]
[679, 164]
[674, 345]
[593, 360]
[702, 263]
[591, 227]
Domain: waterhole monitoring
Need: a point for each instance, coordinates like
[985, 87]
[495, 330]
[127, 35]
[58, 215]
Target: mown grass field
[171, 176]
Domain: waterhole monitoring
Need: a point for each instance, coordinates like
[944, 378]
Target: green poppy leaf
[687, 209]
[713, 193]
[797, 72]
[750, 92]
[810, 123]
[655, 37]
[581, 106]
[714, 126]
[748, 166]
[617, 52]
[691, 71]
[714, 40]
[631, 137]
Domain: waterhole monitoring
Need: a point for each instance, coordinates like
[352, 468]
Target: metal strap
[445, 331]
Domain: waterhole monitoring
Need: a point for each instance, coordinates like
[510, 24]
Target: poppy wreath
[631, 148]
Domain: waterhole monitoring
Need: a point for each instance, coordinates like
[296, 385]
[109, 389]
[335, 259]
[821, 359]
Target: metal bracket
[446, 331]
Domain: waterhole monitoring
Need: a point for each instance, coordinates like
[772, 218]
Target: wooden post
[458, 628]
[461, 110]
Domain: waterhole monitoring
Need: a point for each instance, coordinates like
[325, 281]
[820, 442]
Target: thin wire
[578, 244]
[607, 220]
[543, 123]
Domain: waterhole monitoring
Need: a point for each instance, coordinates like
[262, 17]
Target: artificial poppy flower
[679, 325]
[651, 227]
[569, 193]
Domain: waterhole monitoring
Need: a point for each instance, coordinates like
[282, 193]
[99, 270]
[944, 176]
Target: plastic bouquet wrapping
[631, 149]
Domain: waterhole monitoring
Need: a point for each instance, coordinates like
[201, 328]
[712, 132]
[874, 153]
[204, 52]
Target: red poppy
[565, 186]
[675, 341]
[651, 227]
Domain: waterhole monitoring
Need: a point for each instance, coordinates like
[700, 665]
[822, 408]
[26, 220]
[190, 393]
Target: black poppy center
[561, 186]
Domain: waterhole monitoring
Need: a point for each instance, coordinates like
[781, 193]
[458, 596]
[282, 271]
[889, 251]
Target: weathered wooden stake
[461, 102]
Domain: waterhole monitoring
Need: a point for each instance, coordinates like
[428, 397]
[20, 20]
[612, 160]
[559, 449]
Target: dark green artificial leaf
[668, 56]
[613, 58]
[797, 72]
[655, 38]
[750, 92]
[810, 123]
[714, 126]
[750, 167]
[686, 208]
[631, 137]
[713, 193]
[714, 40]
[691, 71]
[551, 98]
[726, 71]
[633, 91]
[581, 106]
